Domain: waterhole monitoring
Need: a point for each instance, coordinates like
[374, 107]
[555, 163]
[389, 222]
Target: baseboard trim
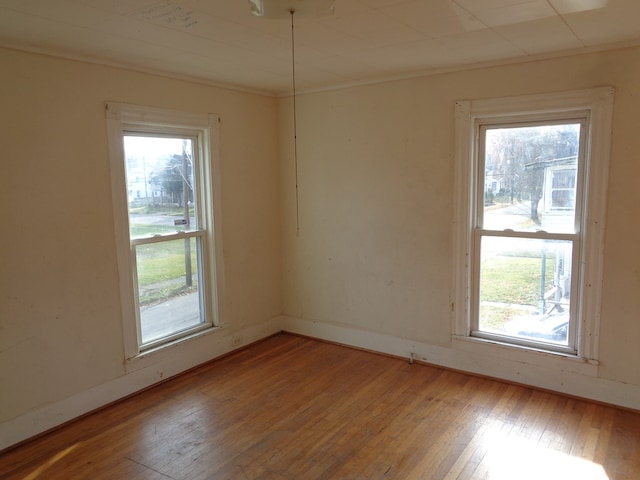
[568, 378]
[539, 370]
[158, 369]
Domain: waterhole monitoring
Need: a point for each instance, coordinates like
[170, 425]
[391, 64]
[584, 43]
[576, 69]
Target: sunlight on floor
[522, 459]
[57, 457]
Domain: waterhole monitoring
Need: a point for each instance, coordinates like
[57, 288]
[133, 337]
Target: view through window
[165, 233]
[526, 231]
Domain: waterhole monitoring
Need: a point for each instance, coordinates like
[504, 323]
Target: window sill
[161, 352]
[526, 355]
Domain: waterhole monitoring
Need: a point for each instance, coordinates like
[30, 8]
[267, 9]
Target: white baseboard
[558, 373]
[147, 372]
[538, 370]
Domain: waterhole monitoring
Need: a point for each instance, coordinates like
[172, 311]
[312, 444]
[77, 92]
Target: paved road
[167, 317]
[514, 216]
[159, 219]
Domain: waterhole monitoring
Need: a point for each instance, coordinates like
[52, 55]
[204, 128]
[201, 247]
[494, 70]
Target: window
[531, 177]
[167, 245]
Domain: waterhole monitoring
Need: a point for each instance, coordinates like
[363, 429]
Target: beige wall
[60, 320]
[375, 167]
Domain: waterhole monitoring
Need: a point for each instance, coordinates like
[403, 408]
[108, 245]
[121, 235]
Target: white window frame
[597, 105]
[125, 119]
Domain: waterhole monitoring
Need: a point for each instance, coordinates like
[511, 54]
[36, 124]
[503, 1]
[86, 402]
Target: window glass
[530, 177]
[526, 232]
[167, 275]
[525, 288]
[165, 235]
[160, 170]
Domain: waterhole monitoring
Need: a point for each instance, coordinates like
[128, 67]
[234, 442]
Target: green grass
[162, 271]
[514, 282]
[163, 261]
[514, 279]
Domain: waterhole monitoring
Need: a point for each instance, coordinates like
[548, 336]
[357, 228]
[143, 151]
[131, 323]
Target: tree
[174, 176]
[172, 179]
[520, 155]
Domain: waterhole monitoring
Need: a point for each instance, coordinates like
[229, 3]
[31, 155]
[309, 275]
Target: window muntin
[526, 232]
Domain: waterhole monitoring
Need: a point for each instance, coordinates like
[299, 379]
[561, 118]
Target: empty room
[314, 239]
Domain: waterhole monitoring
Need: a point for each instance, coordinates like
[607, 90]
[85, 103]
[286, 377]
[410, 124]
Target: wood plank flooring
[296, 408]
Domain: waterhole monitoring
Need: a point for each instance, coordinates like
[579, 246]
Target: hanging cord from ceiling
[295, 120]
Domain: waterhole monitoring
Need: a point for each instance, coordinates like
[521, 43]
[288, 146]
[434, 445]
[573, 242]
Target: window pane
[160, 184]
[168, 287]
[530, 178]
[525, 288]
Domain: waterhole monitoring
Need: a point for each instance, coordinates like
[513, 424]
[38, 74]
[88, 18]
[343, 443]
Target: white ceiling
[221, 42]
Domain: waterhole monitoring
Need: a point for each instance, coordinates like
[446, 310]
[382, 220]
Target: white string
[295, 121]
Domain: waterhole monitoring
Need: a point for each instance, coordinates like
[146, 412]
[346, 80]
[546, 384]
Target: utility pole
[187, 218]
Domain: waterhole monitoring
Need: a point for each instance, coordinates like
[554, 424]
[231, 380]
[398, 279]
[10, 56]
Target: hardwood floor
[295, 408]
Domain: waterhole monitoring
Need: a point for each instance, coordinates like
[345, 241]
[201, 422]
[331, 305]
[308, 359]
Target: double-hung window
[531, 177]
[163, 184]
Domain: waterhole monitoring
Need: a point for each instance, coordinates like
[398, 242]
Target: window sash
[168, 237]
[475, 330]
[479, 160]
[204, 300]
[535, 120]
